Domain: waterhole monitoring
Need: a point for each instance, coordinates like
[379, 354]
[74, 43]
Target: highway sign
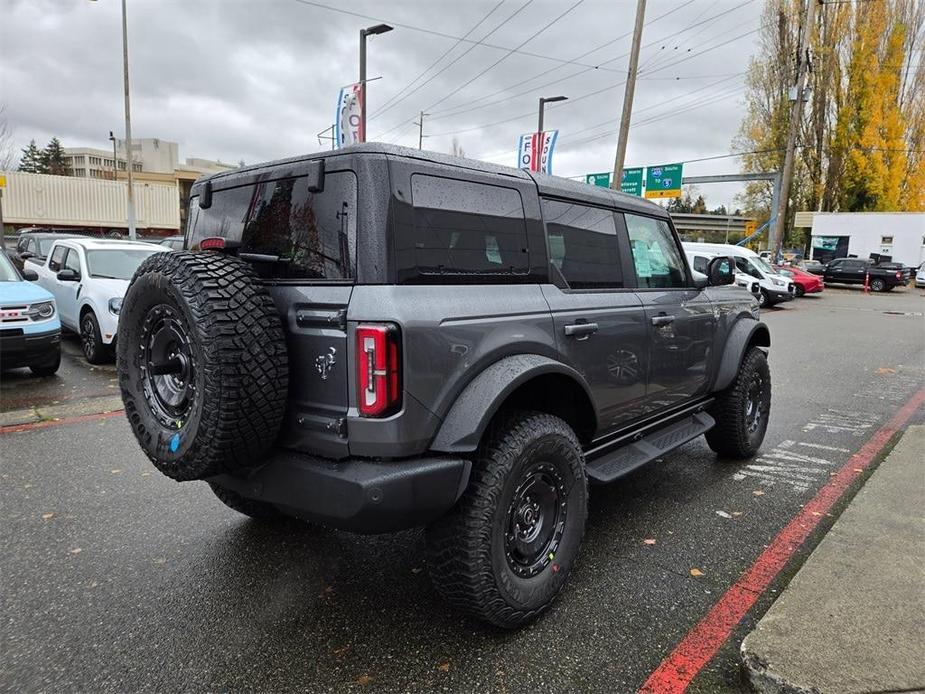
[598, 179]
[632, 181]
[663, 181]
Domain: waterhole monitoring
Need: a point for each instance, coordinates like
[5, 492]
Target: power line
[441, 34]
[388, 104]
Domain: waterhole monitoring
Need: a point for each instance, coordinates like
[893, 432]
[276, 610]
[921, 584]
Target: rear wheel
[877, 285]
[742, 410]
[505, 551]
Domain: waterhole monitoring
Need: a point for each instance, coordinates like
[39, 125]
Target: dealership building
[884, 236]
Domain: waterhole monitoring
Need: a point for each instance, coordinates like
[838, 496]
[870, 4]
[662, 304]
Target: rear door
[679, 317]
[599, 323]
[303, 244]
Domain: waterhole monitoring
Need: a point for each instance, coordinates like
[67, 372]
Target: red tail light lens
[378, 370]
[211, 243]
[899, 275]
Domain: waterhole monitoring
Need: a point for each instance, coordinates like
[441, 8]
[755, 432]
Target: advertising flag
[535, 150]
[348, 120]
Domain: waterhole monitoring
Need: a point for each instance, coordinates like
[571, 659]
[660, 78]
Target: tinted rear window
[313, 234]
[583, 244]
[462, 228]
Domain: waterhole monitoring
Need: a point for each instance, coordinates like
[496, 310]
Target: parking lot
[116, 578]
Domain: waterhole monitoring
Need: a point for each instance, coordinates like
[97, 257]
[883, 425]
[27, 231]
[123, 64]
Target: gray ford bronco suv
[381, 338]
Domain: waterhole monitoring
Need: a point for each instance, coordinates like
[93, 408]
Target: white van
[700, 260]
[774, 288]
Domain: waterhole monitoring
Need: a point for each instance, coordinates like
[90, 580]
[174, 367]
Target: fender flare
[745, 332]
[467, 419]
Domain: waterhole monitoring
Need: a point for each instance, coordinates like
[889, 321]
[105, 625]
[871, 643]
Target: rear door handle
[580, 329]
[662, 320]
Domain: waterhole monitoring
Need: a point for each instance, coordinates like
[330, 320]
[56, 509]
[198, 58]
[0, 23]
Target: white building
[899, 236]
[149, 155]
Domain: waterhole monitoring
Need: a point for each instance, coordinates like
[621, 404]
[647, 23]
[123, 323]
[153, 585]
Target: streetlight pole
[369, 31]
[543, 101]
[128, 127]
[421, 135]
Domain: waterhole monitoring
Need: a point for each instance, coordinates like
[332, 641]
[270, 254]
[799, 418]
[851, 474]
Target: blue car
[30, 332]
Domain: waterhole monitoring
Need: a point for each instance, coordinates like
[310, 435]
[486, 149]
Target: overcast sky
[257, 79]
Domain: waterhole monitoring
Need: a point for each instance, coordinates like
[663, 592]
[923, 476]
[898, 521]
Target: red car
[805, 282]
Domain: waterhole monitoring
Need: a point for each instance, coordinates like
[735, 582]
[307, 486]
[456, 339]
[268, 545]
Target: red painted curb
[702, 642]
[15, 428]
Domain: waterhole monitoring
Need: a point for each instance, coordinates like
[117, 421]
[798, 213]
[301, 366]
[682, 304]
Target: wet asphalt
[115, 578]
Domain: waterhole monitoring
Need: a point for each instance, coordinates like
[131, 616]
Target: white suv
[88, 278]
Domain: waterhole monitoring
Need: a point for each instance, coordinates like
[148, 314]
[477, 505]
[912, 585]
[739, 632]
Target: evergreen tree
[31, 161]
[53, 159]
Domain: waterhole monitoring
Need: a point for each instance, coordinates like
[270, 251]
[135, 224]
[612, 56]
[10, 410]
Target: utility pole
[128, 128]
[796, 112]
[420, 124]
[628, 96]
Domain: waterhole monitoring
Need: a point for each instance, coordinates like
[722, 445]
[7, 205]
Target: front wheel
[742, 410]
[800, 291]
[91, 340]
[763, 299]
[505, 550]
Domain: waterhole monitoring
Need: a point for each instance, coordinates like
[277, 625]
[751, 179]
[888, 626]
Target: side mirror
[720, 271]
[68, 275]
[29, 275]
[26, 254]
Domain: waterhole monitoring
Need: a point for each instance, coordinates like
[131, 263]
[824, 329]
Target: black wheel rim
[755, 409]
[535, 520]
[168, 366]
[87, 337]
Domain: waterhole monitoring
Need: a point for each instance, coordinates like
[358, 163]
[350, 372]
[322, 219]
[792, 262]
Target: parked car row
[773, 288]
[880, 277]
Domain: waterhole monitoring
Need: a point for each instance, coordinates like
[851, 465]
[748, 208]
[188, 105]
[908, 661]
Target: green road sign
[632, 181]
[663, 181]
[598, 179]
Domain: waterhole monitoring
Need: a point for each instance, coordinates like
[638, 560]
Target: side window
[72, 261]
[23, 243]
[655, 254]
[583, 244]
[700, 264]
[743, 265]
[462, 228]
[56, 260]
[302, 234]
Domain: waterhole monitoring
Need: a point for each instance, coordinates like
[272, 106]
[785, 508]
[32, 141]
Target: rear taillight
[378, 369]
[212, 243]
[899, 275]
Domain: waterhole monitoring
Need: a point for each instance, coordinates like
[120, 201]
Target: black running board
[625, 459]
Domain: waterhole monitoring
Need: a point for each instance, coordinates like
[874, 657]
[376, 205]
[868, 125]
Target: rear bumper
[17, 350]
[361, 495]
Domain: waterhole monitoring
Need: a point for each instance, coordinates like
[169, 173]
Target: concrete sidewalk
[853, 618]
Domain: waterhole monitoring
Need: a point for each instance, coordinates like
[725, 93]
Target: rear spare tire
[202, 364]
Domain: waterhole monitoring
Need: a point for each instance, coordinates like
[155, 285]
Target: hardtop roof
[546, 185]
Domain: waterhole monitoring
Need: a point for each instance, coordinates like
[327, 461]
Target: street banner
[348, 120]
[631, 183]
[598, 179]
[535, 150]
[663, 181]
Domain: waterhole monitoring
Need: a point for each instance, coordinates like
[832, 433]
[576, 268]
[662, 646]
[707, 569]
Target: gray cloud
[257, 79]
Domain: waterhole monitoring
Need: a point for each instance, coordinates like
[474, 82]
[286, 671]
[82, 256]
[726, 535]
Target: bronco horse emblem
[325, 362]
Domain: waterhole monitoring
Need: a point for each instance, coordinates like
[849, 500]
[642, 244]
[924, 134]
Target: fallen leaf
[723, 514]
[116, 471]
[758, 492]
[145, 474]
[649, 541]
[46, 516]
[816, 513]
[859, 469]
[696, 572]
[364, 680]
[444, 667]
[76, 550]
[885, 370]
[160, 560]
[343, 650]
[736, 513]
[326, 591]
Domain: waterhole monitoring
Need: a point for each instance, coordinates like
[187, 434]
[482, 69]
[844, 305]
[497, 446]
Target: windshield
[762, 265]
[117, 264]
[7, 271]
